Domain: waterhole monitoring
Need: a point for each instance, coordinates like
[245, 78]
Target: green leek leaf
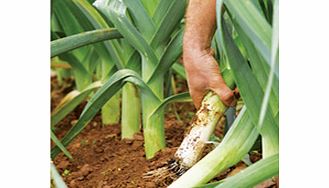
[70, 101]
[60, 145]
[82, 39]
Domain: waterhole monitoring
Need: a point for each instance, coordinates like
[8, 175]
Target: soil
[103, 160]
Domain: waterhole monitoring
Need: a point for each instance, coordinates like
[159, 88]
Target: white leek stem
[207, 117]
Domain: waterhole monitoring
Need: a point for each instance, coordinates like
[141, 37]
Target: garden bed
[103, 160]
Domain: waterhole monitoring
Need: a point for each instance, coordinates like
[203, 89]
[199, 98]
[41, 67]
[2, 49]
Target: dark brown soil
[103, 160]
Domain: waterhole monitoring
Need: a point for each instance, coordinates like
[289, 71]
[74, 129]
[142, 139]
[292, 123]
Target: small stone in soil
[63, 165]
[137, 144]
[99, 150]
[128, 141]
[110, 136]
[85, 170]
[138, 136]
[80, 178]
[73, 122]
[94, 124]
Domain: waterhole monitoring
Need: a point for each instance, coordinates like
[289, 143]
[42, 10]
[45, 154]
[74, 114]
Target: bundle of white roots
[191, 149]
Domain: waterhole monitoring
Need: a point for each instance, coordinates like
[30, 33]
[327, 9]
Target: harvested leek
[191, 149]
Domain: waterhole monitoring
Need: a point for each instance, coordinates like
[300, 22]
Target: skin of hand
[202, 70]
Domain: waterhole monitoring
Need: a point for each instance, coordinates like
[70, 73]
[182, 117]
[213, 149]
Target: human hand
[203, 74]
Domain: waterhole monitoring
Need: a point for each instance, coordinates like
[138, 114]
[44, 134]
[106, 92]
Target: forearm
[201, 67]
[200, 26]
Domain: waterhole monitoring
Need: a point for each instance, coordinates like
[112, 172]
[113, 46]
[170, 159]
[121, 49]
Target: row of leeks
[88, 63]
[150, 46]
[244, 39]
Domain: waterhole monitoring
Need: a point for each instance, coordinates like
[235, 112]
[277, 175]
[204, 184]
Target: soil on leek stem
[103, 160]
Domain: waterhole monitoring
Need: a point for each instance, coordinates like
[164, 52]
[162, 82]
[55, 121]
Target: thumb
[226, 95]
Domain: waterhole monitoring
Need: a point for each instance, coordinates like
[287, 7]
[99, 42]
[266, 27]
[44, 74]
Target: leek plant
[80, 57]
[66, 23]
[202, 127]
[67, 20]
[112, 56]
[124, 56]
[250, 46]
[157, 38]
[75, 97]
[153, 30]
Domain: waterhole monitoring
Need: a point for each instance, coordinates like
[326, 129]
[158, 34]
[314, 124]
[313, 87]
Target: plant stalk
[207, 117]
[153, 127]
[131, 111]
[235, 145]
[211, 111]
[111, 111]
